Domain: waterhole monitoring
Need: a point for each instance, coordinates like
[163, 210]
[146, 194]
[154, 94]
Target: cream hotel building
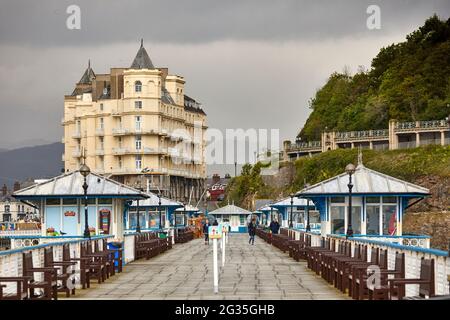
[137, 126]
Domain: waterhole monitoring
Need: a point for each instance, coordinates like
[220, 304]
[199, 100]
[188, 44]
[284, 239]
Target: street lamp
[85, 171]
[159, 209]
[350, 169]
[138, 225]
[292, 208]
[308, 226]
[184, 216]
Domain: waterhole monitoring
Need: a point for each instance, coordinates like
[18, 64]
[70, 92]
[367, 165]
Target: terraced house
[139, 127]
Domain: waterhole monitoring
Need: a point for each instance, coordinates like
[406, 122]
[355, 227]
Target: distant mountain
[23, 143]
[41, 161]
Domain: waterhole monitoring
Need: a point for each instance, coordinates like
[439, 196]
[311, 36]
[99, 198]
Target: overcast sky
[252, 64]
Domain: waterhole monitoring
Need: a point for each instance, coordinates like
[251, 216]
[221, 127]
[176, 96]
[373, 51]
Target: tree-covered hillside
[407, 81]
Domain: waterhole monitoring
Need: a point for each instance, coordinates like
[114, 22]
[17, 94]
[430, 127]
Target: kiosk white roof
[365, 181]
[230, 209]
[71, 185]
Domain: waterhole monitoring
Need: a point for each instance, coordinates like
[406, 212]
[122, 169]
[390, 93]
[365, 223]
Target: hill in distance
[408, 81]
[41, 161]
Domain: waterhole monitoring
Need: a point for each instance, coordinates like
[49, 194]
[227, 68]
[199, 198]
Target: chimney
[4, 190]
[16, 186]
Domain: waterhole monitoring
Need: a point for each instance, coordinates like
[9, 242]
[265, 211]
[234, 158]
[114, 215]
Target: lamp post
[159, 210]
[85, 171]
[350, 169]
[291, 225]
[138, 225]
[308, 226]
[184, 215]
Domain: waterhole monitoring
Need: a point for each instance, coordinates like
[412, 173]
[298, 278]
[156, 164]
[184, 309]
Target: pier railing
[11, 260]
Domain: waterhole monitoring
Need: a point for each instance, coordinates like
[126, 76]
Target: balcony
[134, 131]
[76, 135]
[76, 153]
[100, 132]
[306, 146]
[422, 126]
[100, 152]
[362, 135]
[146, 150]
[120, 151]
[100, 170]
[174, 152]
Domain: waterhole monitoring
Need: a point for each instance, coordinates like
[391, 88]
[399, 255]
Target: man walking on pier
[274, 226]
[251, 232]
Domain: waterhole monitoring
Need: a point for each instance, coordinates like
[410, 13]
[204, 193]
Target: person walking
[206, 231]
[274, 226]
[251, 232]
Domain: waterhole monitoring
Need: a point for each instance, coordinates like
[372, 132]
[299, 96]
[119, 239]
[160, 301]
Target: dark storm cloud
[43, 22]
[253, 64]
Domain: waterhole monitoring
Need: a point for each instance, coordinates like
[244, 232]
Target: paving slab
[185, 272]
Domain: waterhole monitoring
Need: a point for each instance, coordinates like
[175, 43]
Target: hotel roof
[365, 181]
[71, 185]
[142, 60]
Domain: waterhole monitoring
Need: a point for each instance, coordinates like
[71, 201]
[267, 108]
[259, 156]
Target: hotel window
[137, 122]
[120, 142]
[138, 104]
[102, 163]
[138, 86]
[101, 123]
[7, 208]
[102, 144]
[101, 106]
[120, 162]
[138, 162]
[138, 142]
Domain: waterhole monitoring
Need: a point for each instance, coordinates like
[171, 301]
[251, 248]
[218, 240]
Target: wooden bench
[64, 270]
[280, 241]
[21, 292]
[382, 292]
[397, 286]
[183, 235]
[48, 285]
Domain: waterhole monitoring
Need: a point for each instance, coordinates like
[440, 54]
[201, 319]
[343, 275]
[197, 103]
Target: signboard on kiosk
[214, 232]
[224, 227]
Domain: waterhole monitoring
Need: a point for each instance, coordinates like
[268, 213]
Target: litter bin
[117, 247]
[163, 235]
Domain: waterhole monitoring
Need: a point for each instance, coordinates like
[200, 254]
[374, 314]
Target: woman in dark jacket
[206, 231]
[251, 232]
